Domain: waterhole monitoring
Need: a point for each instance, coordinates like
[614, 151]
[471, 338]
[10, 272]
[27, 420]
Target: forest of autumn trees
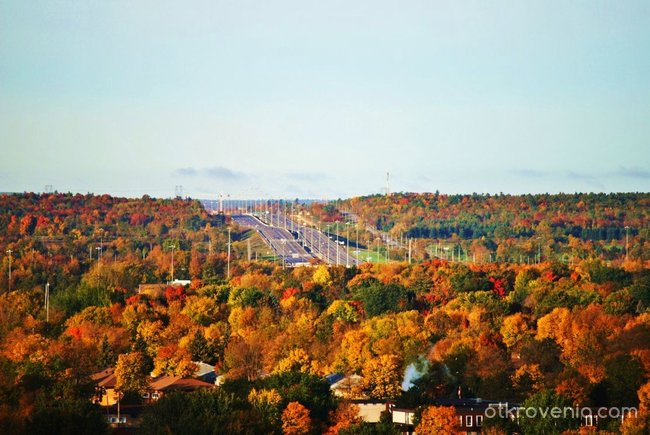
[513, 228]
[542, 333]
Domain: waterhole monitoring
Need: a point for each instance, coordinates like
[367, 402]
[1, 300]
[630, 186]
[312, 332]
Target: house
[205, 372]
[334, 378]
[105, 394]
[403, 416]
[162, 385]
[370, 412]
[347, 387]
[471, 413]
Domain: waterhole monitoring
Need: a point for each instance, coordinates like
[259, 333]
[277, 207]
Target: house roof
[202, 369]
[105, 378]
[164, 383]
[346, 382]
[471, 402]
[189, 384]
[334, 378]
[102, 375]
[108, 382]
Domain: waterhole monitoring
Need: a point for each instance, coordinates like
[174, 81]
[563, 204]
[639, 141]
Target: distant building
[470, 413]
[162, 385]
[125, 415]
[370, 412]
[105, 394]
[205, 372]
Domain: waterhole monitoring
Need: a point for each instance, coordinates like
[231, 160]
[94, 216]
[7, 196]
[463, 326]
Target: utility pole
[378, 252]
[172, 247]
[337, 243]
[347, 242]
[228, 267]
[249, 248]
[357, 241]
[9, 251]
[99, 257]
[285, 215]
[627, 240]
[47, 302]
[387, 249]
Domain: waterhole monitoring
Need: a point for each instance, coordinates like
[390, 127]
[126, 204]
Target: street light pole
[172, 247]
[228, 266]
[99, 257]
[337, 242]
[347, 242]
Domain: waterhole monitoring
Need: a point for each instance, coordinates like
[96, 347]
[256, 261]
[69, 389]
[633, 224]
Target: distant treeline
[588, 216]
[445, 230]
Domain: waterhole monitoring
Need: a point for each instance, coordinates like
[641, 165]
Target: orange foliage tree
[296, 419]
[438, 420]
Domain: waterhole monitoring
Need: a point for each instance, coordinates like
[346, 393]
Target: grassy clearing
[258, 247]
[365, 253]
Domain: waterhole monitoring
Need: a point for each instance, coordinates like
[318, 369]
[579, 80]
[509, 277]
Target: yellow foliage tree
[382, 377]
[262, 398]
[201, 309]
[297, 361]
[514, 329]
[353, 352]
[151, 334]
[131, 373]
[322, 275]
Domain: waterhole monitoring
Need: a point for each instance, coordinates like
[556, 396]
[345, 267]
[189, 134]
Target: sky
[320, 99]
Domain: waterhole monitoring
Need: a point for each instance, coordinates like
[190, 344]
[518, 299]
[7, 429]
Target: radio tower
[387, 183]
[178, 190]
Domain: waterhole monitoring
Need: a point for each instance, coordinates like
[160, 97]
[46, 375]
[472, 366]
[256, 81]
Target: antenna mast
[387, 183]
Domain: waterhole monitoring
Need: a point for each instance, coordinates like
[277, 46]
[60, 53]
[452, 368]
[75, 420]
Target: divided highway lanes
[319, 244]
[280, 240]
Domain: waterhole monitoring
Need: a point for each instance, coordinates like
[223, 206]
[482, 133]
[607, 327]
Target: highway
[320, 245]
[283, 243]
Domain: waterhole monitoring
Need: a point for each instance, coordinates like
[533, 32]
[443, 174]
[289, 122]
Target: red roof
[177, 383]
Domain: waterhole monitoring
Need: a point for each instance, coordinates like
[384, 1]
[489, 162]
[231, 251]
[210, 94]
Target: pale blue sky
[321, 98]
